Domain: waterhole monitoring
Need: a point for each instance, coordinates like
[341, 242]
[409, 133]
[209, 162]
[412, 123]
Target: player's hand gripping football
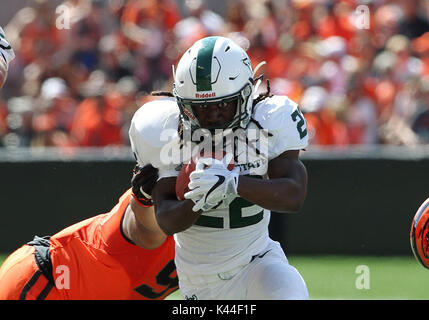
[212, 183]
[143, 182]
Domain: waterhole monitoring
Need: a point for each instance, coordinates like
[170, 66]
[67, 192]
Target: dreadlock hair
[162, 93]
[259, 98]
[264, 95]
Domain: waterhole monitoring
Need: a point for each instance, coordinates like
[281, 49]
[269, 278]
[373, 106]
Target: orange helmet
[419, 234]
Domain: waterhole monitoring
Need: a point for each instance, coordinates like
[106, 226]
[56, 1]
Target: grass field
[338, 277]
[329, 277]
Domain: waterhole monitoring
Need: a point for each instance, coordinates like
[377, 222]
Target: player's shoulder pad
[154, 120]
[281, 117]
[275, 112]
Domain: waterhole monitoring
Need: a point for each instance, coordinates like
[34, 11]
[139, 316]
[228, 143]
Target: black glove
[142, 182]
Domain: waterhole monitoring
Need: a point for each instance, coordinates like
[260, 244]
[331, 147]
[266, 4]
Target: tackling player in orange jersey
[122, 254]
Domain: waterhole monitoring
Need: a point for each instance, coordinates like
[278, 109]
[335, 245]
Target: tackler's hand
[143, 182]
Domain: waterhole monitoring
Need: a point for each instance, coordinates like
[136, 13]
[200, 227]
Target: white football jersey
[226, 237]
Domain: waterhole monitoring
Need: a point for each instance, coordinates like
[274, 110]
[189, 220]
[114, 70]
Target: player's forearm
[139, 225]
[280, 195]
[145, 217]
[174, 216]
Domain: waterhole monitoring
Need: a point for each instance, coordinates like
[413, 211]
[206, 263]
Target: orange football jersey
[91, 259]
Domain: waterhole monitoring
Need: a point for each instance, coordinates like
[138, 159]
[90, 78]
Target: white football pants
[269, 276]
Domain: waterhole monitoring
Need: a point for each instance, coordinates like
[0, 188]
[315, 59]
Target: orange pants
[22, 280]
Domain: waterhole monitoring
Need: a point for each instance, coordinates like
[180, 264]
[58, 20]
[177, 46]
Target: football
[187, 168]
[419, 234]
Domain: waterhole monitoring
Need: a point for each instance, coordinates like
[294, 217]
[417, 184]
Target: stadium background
[66, 107]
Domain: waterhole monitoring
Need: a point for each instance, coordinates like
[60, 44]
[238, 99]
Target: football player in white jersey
[223, 249]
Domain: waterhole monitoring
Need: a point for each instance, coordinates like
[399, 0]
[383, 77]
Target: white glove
[214, 185]
[6, 51]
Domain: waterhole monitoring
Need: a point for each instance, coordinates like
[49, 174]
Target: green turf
[335, 277]
[332, 277]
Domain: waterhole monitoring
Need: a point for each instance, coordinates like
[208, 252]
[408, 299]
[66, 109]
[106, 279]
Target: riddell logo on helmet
[205, 95]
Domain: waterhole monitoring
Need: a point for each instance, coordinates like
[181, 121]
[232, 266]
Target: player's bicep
[288, 165]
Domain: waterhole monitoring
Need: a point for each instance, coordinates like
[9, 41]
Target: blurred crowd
[358, 69]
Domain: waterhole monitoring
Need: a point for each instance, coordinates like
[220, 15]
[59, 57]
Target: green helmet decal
[204, 64]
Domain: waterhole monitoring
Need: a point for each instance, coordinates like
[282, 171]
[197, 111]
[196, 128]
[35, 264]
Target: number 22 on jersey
[241, 212]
